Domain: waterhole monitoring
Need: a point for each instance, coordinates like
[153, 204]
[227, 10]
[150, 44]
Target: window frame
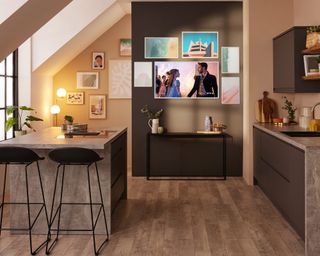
[14, 77]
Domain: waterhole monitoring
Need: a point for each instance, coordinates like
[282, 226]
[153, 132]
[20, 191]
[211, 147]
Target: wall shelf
[313, 50]
[311, 77]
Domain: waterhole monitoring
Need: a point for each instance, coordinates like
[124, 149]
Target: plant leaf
[26, 108]
[11, 121]
[11, 109]
[33, 118]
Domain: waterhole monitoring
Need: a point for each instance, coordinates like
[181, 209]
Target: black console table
[183, 154]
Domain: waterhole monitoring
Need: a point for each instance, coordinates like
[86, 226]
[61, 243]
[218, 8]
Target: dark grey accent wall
[170, 19]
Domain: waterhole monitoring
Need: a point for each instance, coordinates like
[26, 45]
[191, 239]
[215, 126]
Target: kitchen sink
[301, 133]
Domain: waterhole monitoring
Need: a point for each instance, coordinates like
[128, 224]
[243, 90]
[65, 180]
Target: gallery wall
[118, 110]
[169, 19]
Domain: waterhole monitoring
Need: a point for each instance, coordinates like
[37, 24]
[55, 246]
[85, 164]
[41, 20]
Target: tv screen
[186, 80]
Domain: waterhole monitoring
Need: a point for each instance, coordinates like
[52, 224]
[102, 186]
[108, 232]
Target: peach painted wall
[263, 20]
[118, 110]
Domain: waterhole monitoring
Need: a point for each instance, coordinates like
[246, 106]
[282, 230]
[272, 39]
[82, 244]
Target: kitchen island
[111, 144]
[288, 171]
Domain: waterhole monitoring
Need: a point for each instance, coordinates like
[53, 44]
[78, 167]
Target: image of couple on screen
[204, 85]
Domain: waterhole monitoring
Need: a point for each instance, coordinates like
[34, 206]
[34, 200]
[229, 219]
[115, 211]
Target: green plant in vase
[290, 109]
[68, 119]
[151, 114]
[17, 120]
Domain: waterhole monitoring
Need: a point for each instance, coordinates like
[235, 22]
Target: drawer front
[281, 156]
[117, 191]
[117, 165]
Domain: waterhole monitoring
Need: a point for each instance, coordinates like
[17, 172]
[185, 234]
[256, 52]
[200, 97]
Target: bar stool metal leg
[30, 225]
[101, 199]
[103, 210]
[3, 194]
[49, 248]
[94, 223]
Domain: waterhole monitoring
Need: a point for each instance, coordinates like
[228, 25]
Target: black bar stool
[26, 157]
[76, 156]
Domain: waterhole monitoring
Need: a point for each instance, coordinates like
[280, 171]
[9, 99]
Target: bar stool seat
[76, 156]
[22, 156]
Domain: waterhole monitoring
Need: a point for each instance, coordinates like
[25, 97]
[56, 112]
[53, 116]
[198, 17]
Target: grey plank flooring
[184, 218]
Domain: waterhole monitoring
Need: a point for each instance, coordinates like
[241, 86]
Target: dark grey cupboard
[288, 65]
[279, 172]
[118, 170]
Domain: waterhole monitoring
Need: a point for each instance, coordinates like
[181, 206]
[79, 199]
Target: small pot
[20, 133]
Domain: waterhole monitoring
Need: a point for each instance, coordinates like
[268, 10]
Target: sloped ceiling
[82, 40]
[26, 21]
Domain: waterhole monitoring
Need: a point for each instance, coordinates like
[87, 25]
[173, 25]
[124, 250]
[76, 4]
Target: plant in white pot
[16, 120]
[153, 121]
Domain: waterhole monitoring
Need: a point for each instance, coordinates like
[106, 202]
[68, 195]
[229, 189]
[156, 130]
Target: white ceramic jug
[153, 124]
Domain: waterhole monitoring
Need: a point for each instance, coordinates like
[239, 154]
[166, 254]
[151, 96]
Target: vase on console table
[154, 125]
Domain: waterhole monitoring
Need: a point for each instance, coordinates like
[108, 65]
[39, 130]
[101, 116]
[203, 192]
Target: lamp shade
[55, 109]
[61, 92]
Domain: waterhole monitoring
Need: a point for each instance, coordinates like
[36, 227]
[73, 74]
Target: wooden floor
[185, 218]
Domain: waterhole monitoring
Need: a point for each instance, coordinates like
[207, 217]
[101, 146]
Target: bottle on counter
[208, 123]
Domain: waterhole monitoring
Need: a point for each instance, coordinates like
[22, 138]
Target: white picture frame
[75, 98]
[230, 60]
[88, 80]
[97, 106]
[120, 80]
[98, 60]
[143, 74]
[161, 47]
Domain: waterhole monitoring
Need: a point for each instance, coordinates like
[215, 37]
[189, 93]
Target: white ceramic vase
[153, 124]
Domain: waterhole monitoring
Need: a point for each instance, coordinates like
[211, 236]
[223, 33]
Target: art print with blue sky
[203, 44]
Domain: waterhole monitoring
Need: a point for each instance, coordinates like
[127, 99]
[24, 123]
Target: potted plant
[17, 120]
[153, 121]
[290, 108]
[68, 119]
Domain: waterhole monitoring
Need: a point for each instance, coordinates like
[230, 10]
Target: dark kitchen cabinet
[118, 170]
[288, 66]
[279, 172]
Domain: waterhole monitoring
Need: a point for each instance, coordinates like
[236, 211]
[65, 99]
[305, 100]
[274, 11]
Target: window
[8, 90]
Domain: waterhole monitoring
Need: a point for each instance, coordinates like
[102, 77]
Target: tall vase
[153, 124]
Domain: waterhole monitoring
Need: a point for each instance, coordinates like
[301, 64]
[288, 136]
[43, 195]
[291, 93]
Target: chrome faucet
[314, 108]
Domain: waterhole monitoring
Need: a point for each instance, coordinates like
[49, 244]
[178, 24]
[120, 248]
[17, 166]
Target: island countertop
[53, 137]
[303, 143]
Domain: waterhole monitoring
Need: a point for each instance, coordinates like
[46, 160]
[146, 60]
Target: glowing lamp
[61, 92]
[55, 109]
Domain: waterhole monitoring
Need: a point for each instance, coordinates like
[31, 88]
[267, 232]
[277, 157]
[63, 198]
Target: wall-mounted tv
[186, 80]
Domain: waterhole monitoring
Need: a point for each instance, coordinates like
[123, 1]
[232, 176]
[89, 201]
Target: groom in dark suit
[205, 84]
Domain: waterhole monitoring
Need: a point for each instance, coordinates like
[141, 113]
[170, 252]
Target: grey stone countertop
[53, 137]
[303, 143]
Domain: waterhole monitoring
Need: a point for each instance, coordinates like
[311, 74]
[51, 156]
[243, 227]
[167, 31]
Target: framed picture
[120, 79]
[98, 60]
[311, 66]
[87, 80]
[230, 60]
[230, 87]
[75, 98]
[161, 47]
[188, 80]
[143, 74]
[197, 45]
[97, 106]
[125, 47]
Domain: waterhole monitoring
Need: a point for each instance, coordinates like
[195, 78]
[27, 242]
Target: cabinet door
[279, 171]
[283, 63]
